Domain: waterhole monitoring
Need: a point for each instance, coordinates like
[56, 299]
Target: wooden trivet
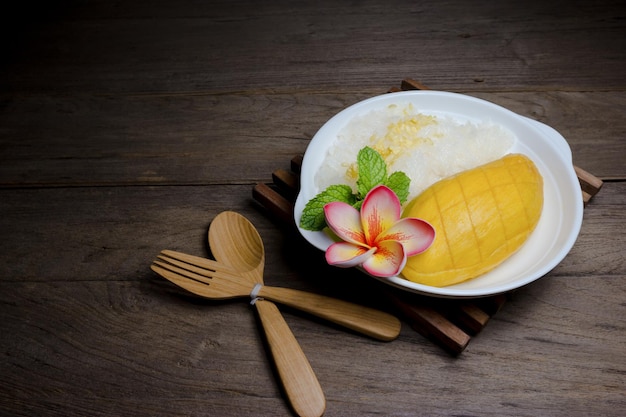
[449, 323]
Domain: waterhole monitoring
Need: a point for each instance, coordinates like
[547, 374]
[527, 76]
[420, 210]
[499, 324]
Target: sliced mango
[481, 217]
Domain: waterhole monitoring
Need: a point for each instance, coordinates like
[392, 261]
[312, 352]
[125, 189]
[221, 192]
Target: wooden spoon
[232, 242]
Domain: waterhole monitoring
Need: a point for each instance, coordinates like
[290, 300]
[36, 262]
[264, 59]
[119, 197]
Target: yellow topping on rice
[400, 137]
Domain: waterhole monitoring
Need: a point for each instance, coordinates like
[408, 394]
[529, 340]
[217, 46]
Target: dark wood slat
[287, 180]
[472, 318]
[273, 201]
[589, 183]
[430, 323]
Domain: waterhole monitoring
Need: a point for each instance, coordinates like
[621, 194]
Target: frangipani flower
[376, 237]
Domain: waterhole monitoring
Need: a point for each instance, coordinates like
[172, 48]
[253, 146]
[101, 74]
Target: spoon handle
[299, 381]
[371, 322]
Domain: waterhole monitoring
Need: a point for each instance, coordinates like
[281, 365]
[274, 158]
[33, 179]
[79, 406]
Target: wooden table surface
[125, 127]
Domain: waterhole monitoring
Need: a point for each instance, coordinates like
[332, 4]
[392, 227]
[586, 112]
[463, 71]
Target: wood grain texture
[302, 389]
[213, 47]
[134, 347]
[114, 233]
[197, 140]
[125, 127]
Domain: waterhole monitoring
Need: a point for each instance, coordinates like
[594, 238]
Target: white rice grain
[426, 147]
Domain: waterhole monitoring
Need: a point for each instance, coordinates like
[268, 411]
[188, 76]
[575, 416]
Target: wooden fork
[211, 279]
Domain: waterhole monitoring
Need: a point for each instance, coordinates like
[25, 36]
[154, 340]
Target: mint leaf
[399, 183]
[372, 170]
[313, 214]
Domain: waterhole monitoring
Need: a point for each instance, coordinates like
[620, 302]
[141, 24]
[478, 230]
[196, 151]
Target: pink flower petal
[416, 235]
[347, 255]
[380, 210]
[388, 260]
[345, 221]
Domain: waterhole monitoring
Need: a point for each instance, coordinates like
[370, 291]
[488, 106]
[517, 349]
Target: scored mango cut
[481, 217]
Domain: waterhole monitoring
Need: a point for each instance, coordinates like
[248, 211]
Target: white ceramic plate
[560, 220]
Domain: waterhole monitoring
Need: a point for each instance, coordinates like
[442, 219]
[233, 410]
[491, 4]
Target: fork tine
[215, 284]
[209, 269]
[183, 272]
[188, 284]
[198, 265]
[187, 267]
[197, 261]
[193, 283]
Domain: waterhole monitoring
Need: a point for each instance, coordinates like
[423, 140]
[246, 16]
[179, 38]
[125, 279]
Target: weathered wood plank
[98, 348]
[201, 139]
[222, 139]
[117, 348]
[114, 233]
[469, 46]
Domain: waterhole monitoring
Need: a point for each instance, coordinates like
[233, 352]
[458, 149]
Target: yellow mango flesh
[481, 217]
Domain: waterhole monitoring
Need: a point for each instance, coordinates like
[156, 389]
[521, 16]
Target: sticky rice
[426, 147]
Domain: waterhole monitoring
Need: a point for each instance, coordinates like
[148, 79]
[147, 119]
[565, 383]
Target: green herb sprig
[372, 171]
